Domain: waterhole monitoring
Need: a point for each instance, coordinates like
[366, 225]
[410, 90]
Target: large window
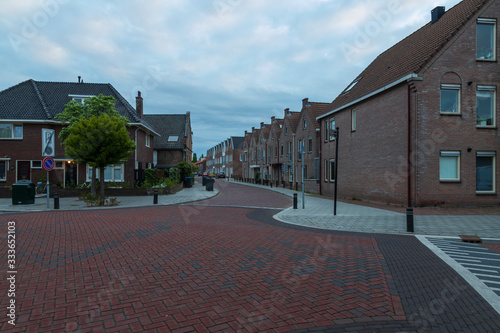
[112, 173]
[10, 131]
[148, 140]
[485, 172]
[485, 39]
[449, 166]
[353, 120]
[485, 102]
[332, 127]
[332, 170]
[450, 98]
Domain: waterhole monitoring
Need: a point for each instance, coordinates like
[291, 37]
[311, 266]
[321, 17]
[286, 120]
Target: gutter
[409, 77]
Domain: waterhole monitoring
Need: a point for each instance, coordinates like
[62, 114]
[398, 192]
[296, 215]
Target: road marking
[446, 250]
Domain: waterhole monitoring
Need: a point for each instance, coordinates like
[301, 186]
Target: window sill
[486, 193]
[456, 181]
[486, 127]
[486, 60]
[450, 114]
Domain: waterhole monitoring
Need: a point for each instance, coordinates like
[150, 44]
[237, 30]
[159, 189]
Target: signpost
[48, 164]
[302, 150]
[48, 139]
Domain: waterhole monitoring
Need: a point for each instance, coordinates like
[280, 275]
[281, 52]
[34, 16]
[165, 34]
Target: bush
[93, 201]
[186, 169]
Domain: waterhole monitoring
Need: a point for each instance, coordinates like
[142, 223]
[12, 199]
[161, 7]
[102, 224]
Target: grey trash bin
[210, 184]
[23, 193]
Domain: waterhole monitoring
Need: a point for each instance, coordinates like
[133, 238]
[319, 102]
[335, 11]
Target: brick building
[175, 143]
[30, 106]
[419, 125]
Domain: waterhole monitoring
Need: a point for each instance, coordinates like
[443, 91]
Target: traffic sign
[48, 139]
[48, 163]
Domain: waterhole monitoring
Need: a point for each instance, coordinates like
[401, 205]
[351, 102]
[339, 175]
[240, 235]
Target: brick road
[223, 269]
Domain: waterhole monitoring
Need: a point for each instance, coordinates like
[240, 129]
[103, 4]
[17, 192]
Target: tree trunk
[93, 181]
[102, 185]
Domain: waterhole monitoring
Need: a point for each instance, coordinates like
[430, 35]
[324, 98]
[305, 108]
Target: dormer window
[80, 98]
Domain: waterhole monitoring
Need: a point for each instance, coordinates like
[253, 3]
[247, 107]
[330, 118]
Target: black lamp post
[336, 136]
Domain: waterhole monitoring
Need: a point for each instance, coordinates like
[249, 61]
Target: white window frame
[353, 120]
[173, 138]
[331, 122]
[449, 155]
[327, 164]
[13, 131]
[450, 87]
[38, 164]
[491, 155]
[148, 140]
[491, 22]
[83, 98]
[114, 167]
[492, 89]
[305, 124]
[332, 170]
[6, 163]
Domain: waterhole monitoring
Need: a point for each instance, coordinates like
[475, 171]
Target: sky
[232, 63]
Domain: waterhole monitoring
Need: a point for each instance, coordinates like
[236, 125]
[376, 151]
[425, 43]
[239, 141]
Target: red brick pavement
[214, 270]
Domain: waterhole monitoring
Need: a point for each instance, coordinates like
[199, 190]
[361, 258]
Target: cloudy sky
[231, 63]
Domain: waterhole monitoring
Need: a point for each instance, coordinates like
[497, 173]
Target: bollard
[56, 200]
[271, 183]
[295, 201]
[155, 197]
[409, 219]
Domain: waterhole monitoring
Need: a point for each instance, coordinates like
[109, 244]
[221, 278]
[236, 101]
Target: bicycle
[40, 189]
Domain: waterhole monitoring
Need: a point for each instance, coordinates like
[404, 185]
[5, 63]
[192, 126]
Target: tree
[99, 141]
[74, 112]
[194, 158]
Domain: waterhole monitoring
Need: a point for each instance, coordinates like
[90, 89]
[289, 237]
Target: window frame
[493, 90]
[326, 174]
[331, 174]
[13, 131]
[38, 164]
[148, 141]
[492, 156]
[309, 144]
[113, 167]
[5, 163]
[451, 87]
[331, 121]
[450, 154]
[353, 120]
[485, 22]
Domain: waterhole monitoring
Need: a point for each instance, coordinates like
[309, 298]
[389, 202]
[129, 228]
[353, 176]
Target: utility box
[23, 193]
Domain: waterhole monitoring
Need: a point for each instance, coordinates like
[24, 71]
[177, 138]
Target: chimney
[273, 119]
[138, 105]
[253, 129]
[246, 133]
[262, 125]
[79, 78]
[437, 13]
[305, 102]
[287, 110]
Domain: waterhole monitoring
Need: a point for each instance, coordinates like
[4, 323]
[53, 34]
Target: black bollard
[409, 219]
[295, 201]
[155, 197]
[56, 200]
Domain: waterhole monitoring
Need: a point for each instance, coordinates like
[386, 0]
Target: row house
[226, 157]
[418, 126]
[27, 121]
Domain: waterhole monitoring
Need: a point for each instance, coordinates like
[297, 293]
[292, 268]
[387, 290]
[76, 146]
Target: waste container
[188, 182]
[204, 180]
[210, 184]
[23, 193]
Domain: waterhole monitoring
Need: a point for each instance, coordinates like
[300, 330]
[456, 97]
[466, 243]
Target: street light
[335, 134]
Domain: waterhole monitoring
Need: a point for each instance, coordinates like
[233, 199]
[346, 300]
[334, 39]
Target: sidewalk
[195, 193]
[318, 213]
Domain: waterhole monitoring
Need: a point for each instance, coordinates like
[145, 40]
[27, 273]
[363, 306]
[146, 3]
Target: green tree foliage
[74, 112]
[186, 169]
[195, 159]
[99, 141]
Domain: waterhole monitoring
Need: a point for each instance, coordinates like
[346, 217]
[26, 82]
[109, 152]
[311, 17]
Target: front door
[23, 170]
[71, 175]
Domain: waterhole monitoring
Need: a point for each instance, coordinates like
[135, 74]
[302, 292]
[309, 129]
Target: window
[299, 150]
[353, 120]
[36, 164]
[148, 141]
[310, 145]
[349, 88]
[326, 170]
[305, 124]
[485, 172]
[485, 103]
[330, 130]
[289, 151]
[10, 131]
[450, 98]
[286, 130]
[290, 173]
[80, 98]
[173, 138]
[3, 170]
[241, 157]
[281, 150]
[326, 130]
[449, 166]
[332, 170]
[485, 39]
[112, 173]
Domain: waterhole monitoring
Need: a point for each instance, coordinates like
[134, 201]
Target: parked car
[205, 174]
[221, 175]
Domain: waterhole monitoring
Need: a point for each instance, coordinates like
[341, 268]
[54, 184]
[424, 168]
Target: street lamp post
[336, 135]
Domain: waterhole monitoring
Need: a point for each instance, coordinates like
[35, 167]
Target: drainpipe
[409, 148]
[135, 163]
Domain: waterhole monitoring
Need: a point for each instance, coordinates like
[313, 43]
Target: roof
[237, 142]
[168, 126]
[409, 56]
[39, 100]
[316, 109]
[293, 119]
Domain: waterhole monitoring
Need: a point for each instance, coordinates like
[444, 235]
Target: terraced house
[30, 107]
[419, 125]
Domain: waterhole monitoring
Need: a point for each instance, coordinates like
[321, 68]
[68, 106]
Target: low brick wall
[110, 192]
